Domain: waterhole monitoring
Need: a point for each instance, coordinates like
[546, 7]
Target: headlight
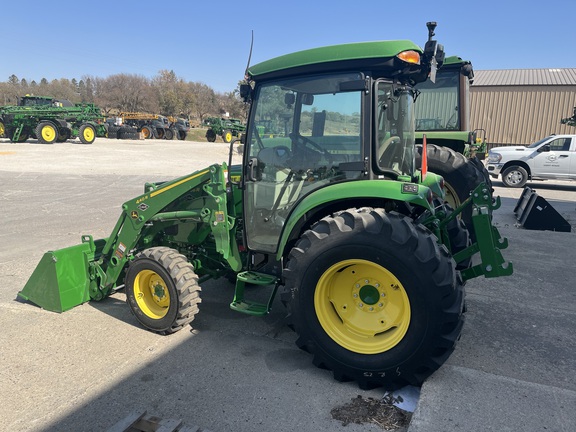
[494, 157]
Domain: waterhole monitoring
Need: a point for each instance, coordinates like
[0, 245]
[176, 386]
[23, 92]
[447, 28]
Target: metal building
[521, 106]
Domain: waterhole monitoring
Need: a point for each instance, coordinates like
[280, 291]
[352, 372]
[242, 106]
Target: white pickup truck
[553, 157]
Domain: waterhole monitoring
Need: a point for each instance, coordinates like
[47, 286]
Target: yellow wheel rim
[151, 294]
[146, 133]
[88, 134]
[2, 130]
[228, 136]
[48, 133]
[362, 306]
[451, 196]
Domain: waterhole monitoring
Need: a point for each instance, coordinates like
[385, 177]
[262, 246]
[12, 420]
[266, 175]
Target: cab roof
[366, 55]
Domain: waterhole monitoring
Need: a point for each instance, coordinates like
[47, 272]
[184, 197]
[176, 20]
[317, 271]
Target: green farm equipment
[333, 213]
[570, 121]
[51, 120]
[227, 128]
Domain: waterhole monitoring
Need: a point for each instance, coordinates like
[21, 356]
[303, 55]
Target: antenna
[249, 55]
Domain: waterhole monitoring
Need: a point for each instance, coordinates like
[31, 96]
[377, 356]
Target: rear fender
[412, 193]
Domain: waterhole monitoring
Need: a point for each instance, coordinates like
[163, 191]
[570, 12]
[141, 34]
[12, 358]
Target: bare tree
[205, 99]
[169, 90]
[125, 93]
[232, 104]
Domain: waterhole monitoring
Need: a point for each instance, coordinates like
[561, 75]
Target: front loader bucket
[61, 279]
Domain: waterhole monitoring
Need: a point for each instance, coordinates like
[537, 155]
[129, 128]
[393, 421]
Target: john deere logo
[134, 214]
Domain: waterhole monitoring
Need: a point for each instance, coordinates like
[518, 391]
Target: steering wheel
[388, 144]
[320, 149]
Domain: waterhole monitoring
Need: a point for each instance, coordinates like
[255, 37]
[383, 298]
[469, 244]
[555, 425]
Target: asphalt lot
[83, 370]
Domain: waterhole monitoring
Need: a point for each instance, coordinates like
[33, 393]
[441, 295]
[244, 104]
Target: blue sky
[209, 41]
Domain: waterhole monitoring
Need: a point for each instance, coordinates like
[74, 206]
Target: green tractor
[227, 128]
[51, 120]
[333, 214]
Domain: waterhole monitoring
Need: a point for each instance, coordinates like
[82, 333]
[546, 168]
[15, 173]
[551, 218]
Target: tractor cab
[316, 131]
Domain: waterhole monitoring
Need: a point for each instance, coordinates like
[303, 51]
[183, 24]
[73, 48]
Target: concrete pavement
[84, 370]
[514, 368]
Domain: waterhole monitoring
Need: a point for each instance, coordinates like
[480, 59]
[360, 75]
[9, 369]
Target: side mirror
[544, 148]
[307, 99]
[245, 91]
[289, 99]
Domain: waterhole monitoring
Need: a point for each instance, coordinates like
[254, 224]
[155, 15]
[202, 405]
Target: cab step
[240, 304]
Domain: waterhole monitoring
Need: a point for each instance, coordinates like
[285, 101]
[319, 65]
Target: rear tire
[461, 177]
[87, 134]
[210, 135]
[373, 298]
[169, 134]
[162, 290]
[181, 135]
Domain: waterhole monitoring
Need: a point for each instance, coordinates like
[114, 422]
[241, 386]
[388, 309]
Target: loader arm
[148, 208]
[69, 277]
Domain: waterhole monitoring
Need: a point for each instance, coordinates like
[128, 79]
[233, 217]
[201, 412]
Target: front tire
[374, 298]
[46, 132]
[227, 136]
[515, 176]
[162, 290]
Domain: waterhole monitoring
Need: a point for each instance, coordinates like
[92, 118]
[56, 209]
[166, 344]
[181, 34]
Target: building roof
[525, 77]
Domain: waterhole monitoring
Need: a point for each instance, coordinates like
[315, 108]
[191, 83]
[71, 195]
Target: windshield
[437, 106]
[537, 143]
[395, 129]
[304, 133]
